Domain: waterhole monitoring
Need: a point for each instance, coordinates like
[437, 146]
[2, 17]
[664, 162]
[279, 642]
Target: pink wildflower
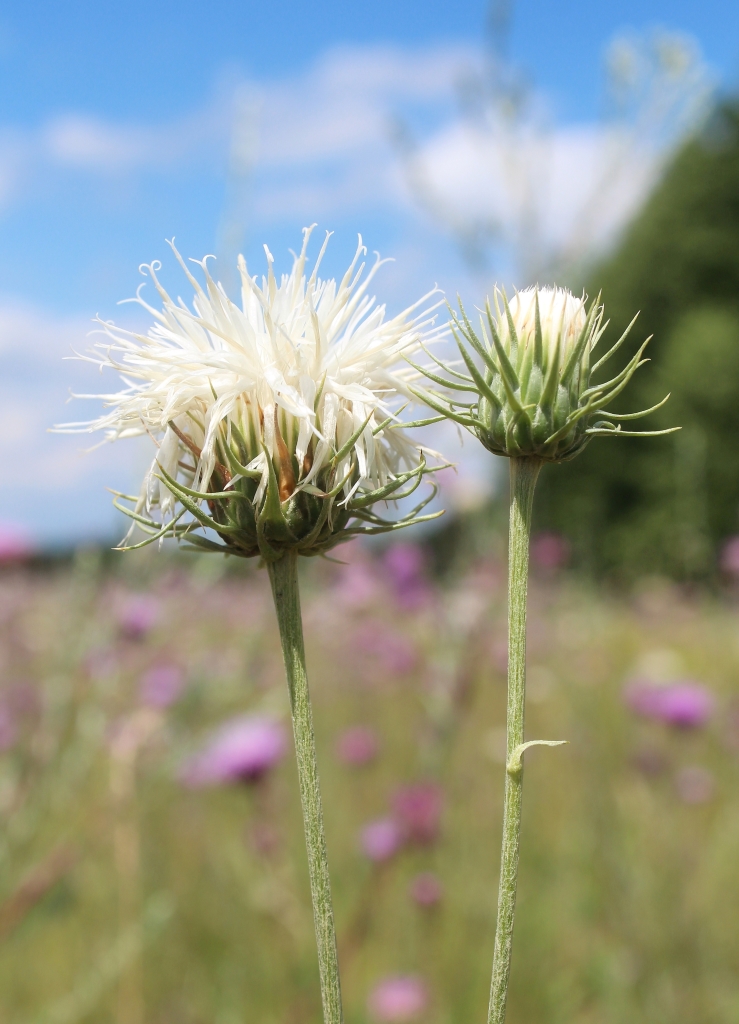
[398, 999]
[242, 750]
[357, 745]
[425, 889]
[138, 615]
[161, 685]
[549, 551]
[684, 704]
[418, 808]
[404, 567]
[15, 543]
[381, 839]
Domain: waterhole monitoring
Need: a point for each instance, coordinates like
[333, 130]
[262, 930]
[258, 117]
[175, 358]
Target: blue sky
[157, 59]
[117, 131]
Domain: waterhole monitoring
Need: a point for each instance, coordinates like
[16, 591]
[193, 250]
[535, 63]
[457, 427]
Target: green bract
[253, 519]
[530, 370]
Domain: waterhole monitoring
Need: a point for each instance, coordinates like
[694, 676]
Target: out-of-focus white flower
[281, 414]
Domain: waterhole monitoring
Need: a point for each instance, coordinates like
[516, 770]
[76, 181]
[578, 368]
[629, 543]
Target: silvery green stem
[283, 575]
[524, 472]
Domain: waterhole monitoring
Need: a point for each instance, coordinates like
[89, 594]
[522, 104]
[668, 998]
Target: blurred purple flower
[729, 558]
[357, 745]
[397, 1000]
[549, 551]
[694, 785]
[242, 750]
[404, 567]
[137, 615]
[396, 653]
[684, 704]
[418, 810]
[15, 543]
[425, 889]
[161, 685]
[381, 839]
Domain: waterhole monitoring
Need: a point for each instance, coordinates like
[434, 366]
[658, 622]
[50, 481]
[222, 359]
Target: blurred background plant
[151, 853]
[679, 264]
[657, 90]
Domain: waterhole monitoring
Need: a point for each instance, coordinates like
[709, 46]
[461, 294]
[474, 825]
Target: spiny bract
[533, 395]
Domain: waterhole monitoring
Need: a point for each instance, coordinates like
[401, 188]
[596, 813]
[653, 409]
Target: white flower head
[280, 414]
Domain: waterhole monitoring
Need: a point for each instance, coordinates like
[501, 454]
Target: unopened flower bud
[530, 369]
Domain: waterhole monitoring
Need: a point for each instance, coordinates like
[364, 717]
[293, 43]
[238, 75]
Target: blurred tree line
[663, 505]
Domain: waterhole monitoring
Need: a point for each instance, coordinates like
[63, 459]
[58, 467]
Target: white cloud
[89, 143]
[29, 336]
[571, 188]
[51, 486]
[344, 103]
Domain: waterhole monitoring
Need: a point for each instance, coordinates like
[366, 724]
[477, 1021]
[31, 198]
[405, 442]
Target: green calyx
[529, 378]
[237, 516]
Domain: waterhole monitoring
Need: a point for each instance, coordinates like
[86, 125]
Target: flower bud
[532, 384]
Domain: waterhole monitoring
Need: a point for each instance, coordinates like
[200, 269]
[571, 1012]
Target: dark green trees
[664, 505]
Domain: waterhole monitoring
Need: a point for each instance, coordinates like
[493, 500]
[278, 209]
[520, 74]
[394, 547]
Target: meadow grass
[127, 897]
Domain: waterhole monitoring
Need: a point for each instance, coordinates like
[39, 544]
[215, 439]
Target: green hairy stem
[283, 575]
[524, 473]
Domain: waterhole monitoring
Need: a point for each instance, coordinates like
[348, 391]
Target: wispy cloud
[92, 144]
[338, 107]
[321, 146]
[343, 105]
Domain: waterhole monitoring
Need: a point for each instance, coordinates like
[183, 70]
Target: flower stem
[524, 473]
[283, 576]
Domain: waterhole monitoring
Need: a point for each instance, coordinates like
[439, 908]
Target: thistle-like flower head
[276, 420]
[529, 369]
